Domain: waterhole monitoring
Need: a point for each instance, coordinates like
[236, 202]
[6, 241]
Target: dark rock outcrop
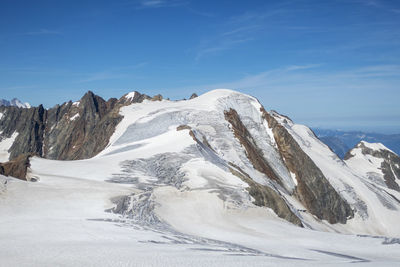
[83, 131]
[254, 154]
[313, 189]
[157, 98]
[265, 196]
[136, 98]
[30, 126]
[183, 127]
[194, 95]
[16, 168]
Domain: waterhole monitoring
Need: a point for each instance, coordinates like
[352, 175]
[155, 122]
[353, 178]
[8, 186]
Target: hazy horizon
[328, 123]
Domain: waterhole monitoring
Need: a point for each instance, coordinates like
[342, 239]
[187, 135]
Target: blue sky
[331, 64]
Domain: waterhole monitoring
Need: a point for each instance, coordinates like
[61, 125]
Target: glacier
[166, 191]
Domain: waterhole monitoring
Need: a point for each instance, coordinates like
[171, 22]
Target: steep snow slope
[205, 115]
[172, 188]
[377, 208]
[5, 145]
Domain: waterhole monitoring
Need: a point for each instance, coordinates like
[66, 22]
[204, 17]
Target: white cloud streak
[115, 73]
[239, 29]
[303, 78]
[313, 95]
[161, 3]
[43, 32]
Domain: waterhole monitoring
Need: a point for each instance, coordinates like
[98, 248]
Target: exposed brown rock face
[157, 98]
[183, 127]
[71, 131]
[16, 168]
[29, 123]
[82, 131]
[267, 197]
[263, 195]
[254, 154]
[313, 189]
[390, 166]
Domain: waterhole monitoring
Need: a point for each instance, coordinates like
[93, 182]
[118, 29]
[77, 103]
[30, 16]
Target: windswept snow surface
[370, 166]
[366, 164]
[5, 145]
[154, 197]
[376, 146]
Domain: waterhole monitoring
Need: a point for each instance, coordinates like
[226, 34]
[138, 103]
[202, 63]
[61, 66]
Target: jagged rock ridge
[69, 131]
[313, 189]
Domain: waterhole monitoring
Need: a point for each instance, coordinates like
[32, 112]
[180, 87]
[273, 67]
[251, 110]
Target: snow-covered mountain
[377, 163]
[190, 182]
[342, 141]
[14, 103]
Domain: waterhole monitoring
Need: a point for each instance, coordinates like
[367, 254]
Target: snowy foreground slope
[177, 184]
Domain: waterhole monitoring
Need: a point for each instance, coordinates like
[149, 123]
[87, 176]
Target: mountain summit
[14, 103]
[377, 163]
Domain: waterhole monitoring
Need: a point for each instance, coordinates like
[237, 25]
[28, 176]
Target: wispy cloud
[15, 88]
[379, 4]
[200, 13]
[301, 67]
[226, 39]
[259, 15]
[238, 29]
[318, 96]
[375, 3]
[77, 76]
[111, 74]
[292, 18]
[43, 32]
[104, 75]
[161, 3]
[218, 47]
[377, 71]
[312, 78]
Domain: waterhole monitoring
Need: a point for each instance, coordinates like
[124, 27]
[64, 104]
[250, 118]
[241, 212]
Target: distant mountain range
[15, 103]
[342, 141]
